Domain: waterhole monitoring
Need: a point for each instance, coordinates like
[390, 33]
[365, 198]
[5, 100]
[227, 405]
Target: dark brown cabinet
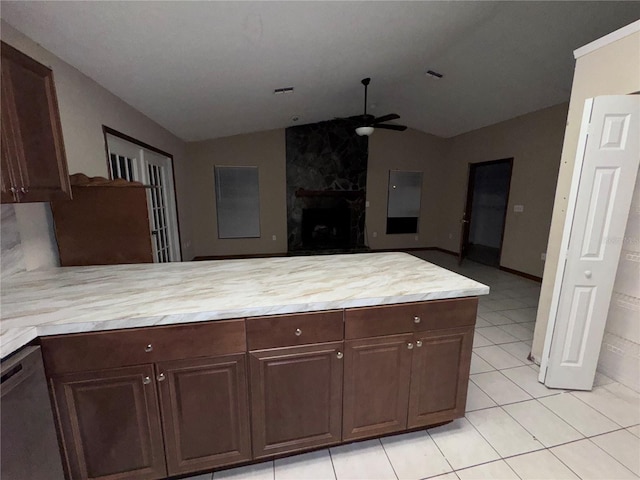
[110, 423]
[376, 388]
[205, 411]
[34, 166]
[439, 378]
[404, 367]
[295, 364]
[150, 402]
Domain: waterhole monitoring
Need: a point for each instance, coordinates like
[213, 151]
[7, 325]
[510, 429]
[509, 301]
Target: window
[237, 202]
[403, 207]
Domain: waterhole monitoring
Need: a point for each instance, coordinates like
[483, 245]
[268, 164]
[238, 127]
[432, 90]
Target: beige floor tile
[504, 434]
[477, 399]
[480, 341]
[497, 357]
[579, 415]
[635, 430]
[623, 446]
[622, 407]
[462, 445]
[590, 462]
[518, 331]
[542, 423]
[495, 318]
[520, 350]
[527, 379]
[414, 456]
[541, 465]
[497, 335]
[499, 388]
[259, 471]
[490, 471]
[310, 466]
[478, 365]
[361, 461]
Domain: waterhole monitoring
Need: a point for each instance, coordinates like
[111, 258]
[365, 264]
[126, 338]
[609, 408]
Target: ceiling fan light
[364, 131]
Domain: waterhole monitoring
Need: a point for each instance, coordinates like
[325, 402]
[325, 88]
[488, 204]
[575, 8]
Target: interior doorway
[485, 213]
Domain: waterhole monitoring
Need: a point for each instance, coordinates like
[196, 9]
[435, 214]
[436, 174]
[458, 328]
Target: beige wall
[534, 141]
[611, 70]
[266, 150]
[411, 150]
[85, 107]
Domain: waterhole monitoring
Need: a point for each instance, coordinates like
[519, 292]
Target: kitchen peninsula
[203, 365]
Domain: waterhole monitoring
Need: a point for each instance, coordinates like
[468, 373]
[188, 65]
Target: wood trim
[108, 130]
[607, 39]
[521, 274]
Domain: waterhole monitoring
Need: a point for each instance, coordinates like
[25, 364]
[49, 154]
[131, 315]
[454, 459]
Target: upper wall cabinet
[34, 166]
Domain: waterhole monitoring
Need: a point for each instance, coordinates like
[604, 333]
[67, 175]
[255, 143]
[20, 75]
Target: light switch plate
[518, 208]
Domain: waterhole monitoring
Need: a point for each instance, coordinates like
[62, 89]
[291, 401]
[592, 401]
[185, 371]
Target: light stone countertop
[82, 299]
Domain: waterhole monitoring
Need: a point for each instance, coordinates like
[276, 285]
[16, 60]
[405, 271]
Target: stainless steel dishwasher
[28, 443]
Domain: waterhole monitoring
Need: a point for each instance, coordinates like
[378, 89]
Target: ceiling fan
[367, 123]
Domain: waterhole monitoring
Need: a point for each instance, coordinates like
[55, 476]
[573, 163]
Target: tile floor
[514, 428]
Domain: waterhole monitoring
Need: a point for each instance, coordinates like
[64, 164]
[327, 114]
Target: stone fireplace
[326, 188]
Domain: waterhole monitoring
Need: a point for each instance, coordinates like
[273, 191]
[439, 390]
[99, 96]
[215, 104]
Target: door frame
[123, 136]
[466, 214]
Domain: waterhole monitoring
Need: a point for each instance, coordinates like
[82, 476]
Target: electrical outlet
[416, 238]
[374, 234]
[273, 237]
[518, 208]
[543, 256]
[366, 204]
[450, 236]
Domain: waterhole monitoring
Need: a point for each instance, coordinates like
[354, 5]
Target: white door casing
[133, 162]
[602, 188]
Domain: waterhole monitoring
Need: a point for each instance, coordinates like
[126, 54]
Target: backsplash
[11, 254]
[27, 239]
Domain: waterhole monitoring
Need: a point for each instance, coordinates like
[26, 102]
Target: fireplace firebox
[326, 228]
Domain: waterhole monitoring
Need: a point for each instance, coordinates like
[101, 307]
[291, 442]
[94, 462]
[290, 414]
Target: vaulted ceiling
[208, 69]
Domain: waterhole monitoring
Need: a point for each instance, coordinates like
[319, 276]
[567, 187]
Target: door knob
[419, 343]
[161, 377]
[148, 348]
[410, 346]
[298, 332]
[587, 273]
[416, 319]
[146, 380]
[339, 355]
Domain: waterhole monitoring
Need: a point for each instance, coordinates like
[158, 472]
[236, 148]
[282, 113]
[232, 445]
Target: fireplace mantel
[348, 194]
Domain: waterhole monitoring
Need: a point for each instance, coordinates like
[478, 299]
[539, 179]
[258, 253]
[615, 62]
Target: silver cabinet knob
[587, 273]
[148, 348]
[146, 380]
[416, 319]
[410, 346]
[298, 332]
[161, 377]
[419, 343]
[339, 355]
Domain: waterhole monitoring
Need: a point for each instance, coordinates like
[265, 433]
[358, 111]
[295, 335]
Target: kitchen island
[203, 365]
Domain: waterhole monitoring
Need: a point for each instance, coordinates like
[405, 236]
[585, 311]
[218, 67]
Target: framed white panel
[237, 201]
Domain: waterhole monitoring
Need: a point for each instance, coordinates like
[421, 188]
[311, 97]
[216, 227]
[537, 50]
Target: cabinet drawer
[98, 350]
[291, 330]
[410, 317]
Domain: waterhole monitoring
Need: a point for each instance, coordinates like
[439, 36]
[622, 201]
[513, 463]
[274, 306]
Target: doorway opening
[486, 211]
[135, 161]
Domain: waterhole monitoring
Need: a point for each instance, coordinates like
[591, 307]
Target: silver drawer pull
[419, 343]
[339, 355]
[146, 380]
[410, 346]
[298, 332]
[148, 348]
[416, 319]
[161, 377]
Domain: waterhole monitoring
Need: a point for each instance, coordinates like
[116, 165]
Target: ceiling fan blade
[386, 118]
[387, 126]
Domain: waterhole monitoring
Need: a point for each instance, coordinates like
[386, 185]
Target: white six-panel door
[599, 207]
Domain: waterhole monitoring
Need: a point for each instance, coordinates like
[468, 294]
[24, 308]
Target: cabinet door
[110, 424]
[39, 162]
[439, 376]
[10, 145]
[376, 387]
[296, 397]
[205, 411]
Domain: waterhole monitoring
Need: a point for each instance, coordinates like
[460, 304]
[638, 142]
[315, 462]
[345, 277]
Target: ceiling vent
[281, 91]
[434, 75]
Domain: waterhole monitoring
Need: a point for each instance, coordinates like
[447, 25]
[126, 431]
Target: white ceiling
[208, 69]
